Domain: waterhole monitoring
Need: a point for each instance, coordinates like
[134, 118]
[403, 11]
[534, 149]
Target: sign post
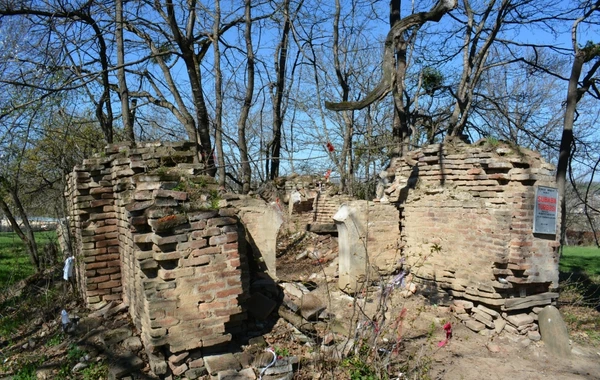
[546, 210]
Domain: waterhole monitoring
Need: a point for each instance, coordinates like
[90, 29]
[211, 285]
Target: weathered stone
[360, 254]
[262, 222]
[295, 289]
[489, 311]
[554, 332]
[311, 306]
[124, 365]
[467, 305]
[534, 335]
[529, 301]
[519, 319]
[117, 335]
[499, 325]
[133, 344]
[157, 364]
[474, 325]
[195, 373]
[218, 363]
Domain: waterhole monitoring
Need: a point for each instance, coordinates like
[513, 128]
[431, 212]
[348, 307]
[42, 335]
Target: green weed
[74, 353]
[95, 371]
[282, 351]
[358, 369]
[55, 340]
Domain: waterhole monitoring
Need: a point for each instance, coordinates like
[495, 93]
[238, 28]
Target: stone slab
[474, 325]
[311, 306]
[124, 365]
[218, 363]
[554, 331]
[519, 319]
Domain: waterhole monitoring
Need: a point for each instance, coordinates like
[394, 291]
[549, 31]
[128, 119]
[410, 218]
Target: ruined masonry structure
[466, 214]
[151, 232]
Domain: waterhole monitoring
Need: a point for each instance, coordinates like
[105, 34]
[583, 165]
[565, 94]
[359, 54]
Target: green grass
[581, 259]
[14, 260]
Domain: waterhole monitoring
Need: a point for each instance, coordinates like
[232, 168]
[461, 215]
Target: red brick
[95, 280]
[96, 265]
[229, 292]
[112, 297]
[109, 284]
[106, 243]
[109, 270]
[205, 251]
[196, 261]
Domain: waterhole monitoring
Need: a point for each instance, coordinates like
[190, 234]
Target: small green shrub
[55, 340]
[26, 372]
[95, 371]
[74, 353]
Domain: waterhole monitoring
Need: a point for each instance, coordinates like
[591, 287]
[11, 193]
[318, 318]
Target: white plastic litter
[270, 364]
[68, 269]
[64, 318]
[295, 197]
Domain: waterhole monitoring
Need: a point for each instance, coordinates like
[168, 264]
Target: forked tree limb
[388, 67]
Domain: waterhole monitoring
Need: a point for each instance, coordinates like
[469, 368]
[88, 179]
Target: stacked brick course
[150, 231]
[467, 223]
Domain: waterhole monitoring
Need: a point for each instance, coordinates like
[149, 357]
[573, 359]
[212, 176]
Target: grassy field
[14, 260]
[581, 259]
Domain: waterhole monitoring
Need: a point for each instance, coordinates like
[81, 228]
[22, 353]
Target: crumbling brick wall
[467, 223]
[152, 232]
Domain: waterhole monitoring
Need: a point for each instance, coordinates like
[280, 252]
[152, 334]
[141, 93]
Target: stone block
[519, 319]
[554, 332]
[311, 306]
[157, 364]
[123, 365]
[195, 373]
[218, 363]
[489, 311]
[474, 325]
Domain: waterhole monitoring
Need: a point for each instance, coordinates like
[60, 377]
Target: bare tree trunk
[566, 141]
[192, 65]
[218, 122]
[243, 147]
[345, 155]
[400, 129]
[24, 232]
[280, 66]
[574, 94]
[388, 76]
[126, 113]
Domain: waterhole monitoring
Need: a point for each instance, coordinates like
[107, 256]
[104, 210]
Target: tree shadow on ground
[579, 281]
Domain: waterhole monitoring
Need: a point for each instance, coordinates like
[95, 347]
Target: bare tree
[590, 53]
[243, 120]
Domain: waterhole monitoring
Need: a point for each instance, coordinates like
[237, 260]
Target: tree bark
[24, 232]
[281, 53]
[566, 141]
[388, 77]
[218, 122]
[126, 113]
[243, 147]
[192, 66]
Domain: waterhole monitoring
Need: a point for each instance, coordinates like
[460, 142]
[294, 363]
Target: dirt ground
[418, 327]
[389, 337]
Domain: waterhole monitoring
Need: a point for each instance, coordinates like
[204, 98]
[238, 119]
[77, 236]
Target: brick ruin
[466, 215]
[151, 231]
